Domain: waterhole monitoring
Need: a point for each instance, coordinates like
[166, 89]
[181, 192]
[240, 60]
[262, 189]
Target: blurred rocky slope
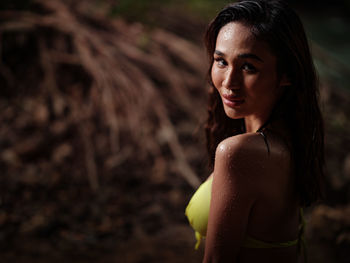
[101, 141]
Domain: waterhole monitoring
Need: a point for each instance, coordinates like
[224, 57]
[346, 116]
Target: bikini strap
[301, 235]
[265, 140]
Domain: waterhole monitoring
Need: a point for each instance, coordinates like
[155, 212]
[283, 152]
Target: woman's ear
[285, 81]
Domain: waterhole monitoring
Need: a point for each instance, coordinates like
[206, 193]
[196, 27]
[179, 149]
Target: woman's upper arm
[233, 195]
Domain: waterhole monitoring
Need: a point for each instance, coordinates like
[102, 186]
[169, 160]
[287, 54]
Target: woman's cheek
[215, 76]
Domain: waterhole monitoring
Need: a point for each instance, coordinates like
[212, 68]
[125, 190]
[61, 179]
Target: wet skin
[252, 191]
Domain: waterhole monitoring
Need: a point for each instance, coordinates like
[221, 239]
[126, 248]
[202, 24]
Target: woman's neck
[253, 124]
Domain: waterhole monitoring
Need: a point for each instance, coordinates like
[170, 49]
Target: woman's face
[244, 73]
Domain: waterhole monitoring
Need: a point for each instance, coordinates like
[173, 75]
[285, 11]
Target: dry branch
[131, 87]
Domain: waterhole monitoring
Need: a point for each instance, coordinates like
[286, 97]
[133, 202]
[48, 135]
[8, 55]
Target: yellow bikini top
[197, 212]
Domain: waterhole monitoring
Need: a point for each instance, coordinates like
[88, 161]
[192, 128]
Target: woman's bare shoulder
[251, 144]
[251, 156]
[243, 158]
[238, 163]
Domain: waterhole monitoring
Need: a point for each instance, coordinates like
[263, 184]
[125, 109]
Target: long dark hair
[280, 27]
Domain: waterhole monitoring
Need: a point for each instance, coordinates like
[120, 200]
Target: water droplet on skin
[222, 147]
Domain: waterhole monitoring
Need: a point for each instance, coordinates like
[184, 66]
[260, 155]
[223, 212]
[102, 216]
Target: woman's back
[274, 217]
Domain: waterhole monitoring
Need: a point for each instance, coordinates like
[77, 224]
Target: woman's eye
[249, 68]
[221, 62]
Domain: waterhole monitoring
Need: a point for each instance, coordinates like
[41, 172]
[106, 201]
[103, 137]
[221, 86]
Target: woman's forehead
[238, 38]
[237, 29]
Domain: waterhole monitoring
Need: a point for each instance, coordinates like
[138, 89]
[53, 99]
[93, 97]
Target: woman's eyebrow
[219, 53]
[250, 55]
[243, 55]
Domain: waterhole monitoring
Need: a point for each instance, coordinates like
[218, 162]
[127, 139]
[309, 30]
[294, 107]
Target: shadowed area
[101, 136]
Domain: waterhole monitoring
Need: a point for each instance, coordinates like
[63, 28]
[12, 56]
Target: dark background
[102, 108]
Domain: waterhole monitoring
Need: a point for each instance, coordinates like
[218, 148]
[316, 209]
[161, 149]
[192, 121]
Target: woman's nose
[231, 79]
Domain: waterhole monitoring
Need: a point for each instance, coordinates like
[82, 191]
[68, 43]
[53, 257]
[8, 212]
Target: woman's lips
[232, 101]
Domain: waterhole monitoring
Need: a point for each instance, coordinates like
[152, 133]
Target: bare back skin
[253, 195]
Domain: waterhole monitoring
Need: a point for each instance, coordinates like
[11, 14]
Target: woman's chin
[233, 113]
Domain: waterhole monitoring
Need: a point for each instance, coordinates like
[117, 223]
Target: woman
[264, 136]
